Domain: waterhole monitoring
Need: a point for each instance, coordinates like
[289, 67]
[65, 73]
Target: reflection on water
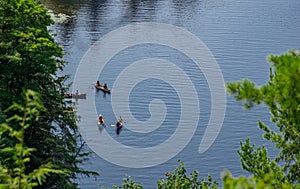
[68, 7]
[240, 35]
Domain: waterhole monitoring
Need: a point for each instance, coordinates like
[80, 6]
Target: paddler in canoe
[101, 121]
[119, 125]
[103, 88]
[97, 84]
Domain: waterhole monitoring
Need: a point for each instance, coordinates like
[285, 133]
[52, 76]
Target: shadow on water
[102, 14]
[96, 12]
[68, 7]
[140, 9]
[63, 13]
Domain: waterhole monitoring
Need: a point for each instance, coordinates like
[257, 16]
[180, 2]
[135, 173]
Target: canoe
[101, 124]
[102, 88]
[77, 96]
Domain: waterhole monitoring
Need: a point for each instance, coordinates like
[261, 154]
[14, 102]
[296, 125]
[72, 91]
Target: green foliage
[28, 53]
[30, 59]
[266, 182]
[282, 95]
[128, 183]
[177, 180]
[15, 176]
[180, 180]
[257, 162]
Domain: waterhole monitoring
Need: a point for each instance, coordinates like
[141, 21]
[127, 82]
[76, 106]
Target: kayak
[103, 89]
[77, 96]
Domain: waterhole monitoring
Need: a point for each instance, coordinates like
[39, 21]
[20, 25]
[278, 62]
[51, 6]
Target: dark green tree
[267, 181]
[30, 59]
[181, 180]
[129, 183]
[14, 175]
[282, 95]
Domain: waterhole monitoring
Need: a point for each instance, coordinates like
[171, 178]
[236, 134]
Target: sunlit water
[239, 34]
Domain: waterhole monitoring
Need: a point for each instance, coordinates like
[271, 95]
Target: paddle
[115, 125]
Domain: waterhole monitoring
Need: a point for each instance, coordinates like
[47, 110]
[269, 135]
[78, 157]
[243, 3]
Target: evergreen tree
[13, 175]
[282, 95]
[30, 59]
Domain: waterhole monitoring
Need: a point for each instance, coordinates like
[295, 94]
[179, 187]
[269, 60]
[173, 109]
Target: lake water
[239, 34]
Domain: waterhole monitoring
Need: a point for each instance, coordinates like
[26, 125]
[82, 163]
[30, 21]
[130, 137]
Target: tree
[179, 179]
[129, 183]
[282, 95]
[14, 175]
[30, 59]
[266, 182]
